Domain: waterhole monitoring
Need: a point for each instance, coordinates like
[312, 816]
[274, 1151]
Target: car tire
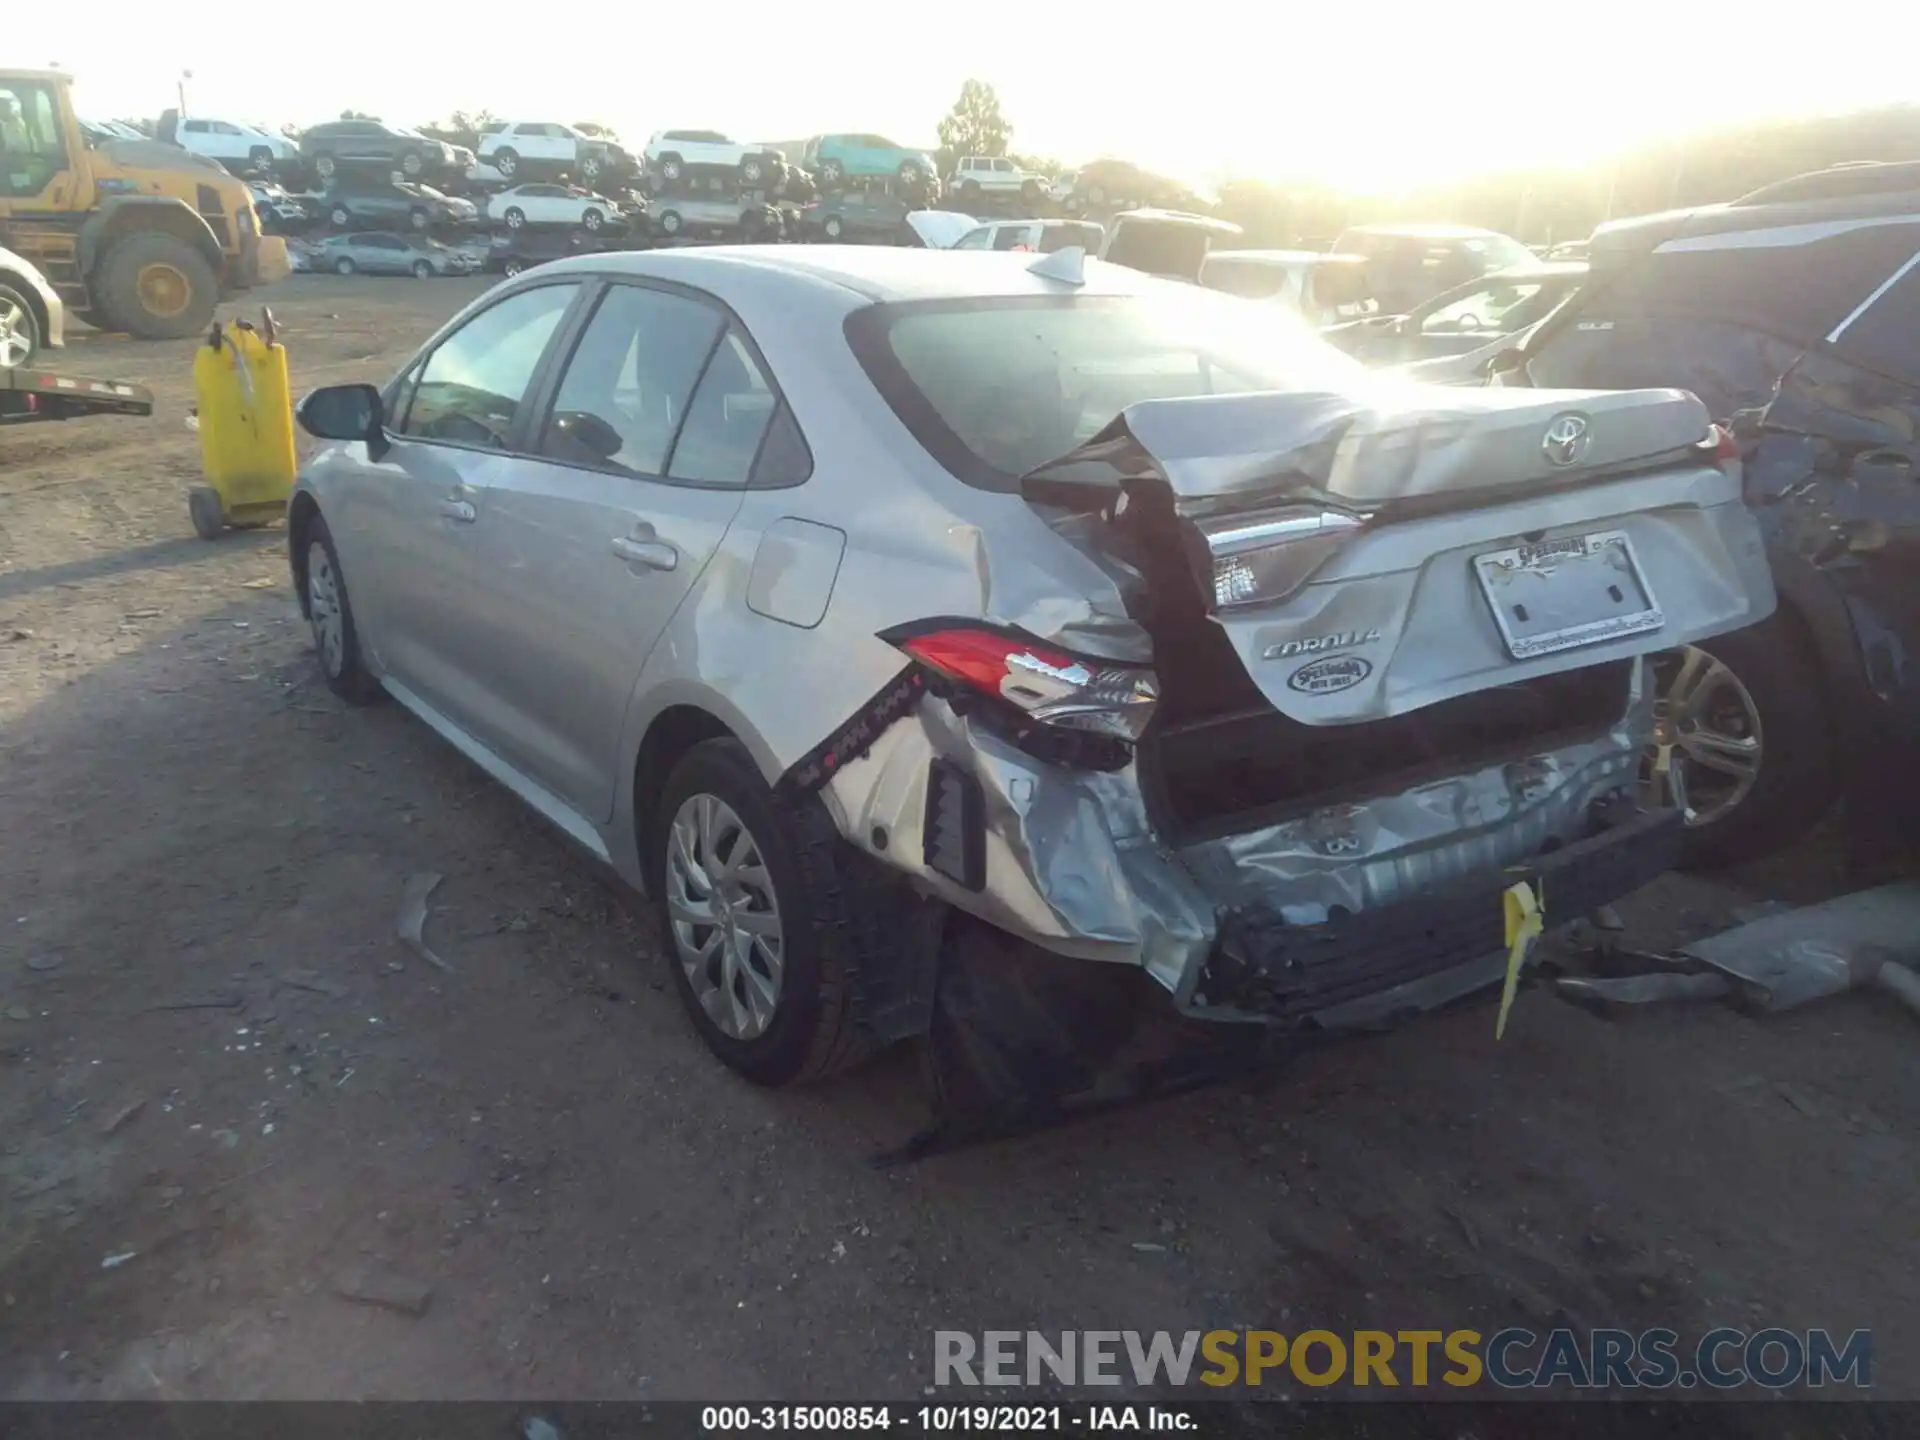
[832, 172]
[1778, 681]
[324, 166]
[670, 168]
[753, 169]
[340, 217]
[419, 219]
[423, 270]
[413, 162]
[507, 163]
[970, 191]
[336, 639]
[592, 219]
[590, 168]
[344, 265]
[670, 222]
[260, 160]
[808, 892]
[512, 267]
[833, 227]
[20, 337]
[911, 173]
[515, 217]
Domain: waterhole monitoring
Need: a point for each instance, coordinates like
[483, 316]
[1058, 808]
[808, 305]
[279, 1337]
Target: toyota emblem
[1567, 440]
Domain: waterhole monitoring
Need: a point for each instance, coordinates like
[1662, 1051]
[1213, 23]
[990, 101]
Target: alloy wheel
[724, 917]
[324, 611]
[16, 335]
[1707, 743]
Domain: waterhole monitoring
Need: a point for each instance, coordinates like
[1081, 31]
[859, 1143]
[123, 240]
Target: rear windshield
[995, 388]
[1083, 233]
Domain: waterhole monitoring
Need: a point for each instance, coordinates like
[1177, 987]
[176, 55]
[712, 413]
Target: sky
[1376, 96]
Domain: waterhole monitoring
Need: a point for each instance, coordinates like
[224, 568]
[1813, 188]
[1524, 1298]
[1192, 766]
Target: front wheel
[590, 167]
[670, 168]
[156, 286]
[593, 220]
[1743, 743]
[507, 163]
[516, 217]
[765, 929]
[753, 170]
[340, 216]
[19, 330]
[423, 270]
[670, 222]
[832, 172]
[344, 266]
[512, 268]
[411, 162]
[324, 166]
[419, 219]
[834, 227]
[336, 641]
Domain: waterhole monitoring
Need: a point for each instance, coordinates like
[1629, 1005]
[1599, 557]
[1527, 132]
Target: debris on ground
[534, 1428]
[200, 1002]
[114, 1262]
[386, 1289]
[299, 979]
[18, 1012]
[52, 960]
[413, 916]
[1780, 960]
[119, 1118]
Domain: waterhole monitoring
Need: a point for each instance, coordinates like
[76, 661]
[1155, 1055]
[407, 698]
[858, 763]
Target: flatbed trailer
[28, 394]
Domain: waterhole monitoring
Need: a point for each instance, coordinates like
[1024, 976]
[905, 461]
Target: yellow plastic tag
[1525, 914]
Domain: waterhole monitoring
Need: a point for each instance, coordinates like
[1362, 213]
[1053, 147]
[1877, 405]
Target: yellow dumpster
[244, 407]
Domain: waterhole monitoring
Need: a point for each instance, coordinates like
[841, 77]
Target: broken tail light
[1721, 443]
[1267, 555]
[1096, 697]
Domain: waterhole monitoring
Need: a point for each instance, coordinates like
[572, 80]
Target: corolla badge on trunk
[1330, 674]
[1568, 439]
[1320, 644]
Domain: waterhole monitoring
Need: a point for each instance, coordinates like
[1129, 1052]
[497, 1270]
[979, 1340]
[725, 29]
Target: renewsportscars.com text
[1510, 1359]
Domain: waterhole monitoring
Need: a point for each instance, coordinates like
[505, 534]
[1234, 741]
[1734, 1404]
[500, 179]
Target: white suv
[537, 140]
[671, 151]
[232, 144]
[977, 175]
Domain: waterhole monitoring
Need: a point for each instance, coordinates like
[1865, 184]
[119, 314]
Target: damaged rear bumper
[1377, 898]
[1401, 953]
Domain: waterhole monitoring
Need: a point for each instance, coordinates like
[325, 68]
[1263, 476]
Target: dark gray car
[382, 252]
[416, 207]
[338, 144]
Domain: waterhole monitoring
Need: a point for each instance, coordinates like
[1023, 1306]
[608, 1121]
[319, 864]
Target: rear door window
[726, 419]
[626, 389]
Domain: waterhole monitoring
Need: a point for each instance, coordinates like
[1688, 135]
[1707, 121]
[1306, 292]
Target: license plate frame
[1497, 572]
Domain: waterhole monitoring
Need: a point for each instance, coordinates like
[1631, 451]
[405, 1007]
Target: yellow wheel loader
[133, 234]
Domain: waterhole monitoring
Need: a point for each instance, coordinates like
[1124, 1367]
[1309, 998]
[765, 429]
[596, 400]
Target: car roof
[880, 273]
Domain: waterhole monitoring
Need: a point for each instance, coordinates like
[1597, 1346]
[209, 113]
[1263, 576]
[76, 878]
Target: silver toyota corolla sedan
[951, 640]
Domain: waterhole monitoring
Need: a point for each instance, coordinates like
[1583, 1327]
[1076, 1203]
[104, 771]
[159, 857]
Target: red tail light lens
[1722, 442]
[1048, 685]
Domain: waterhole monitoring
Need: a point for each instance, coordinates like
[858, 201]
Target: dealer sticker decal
[1325, 676]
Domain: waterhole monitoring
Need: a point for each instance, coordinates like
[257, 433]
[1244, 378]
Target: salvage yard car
[942, 639]
[1462, 319]
[419, 207]
[380, 252]
[332, 147]
[670, 152]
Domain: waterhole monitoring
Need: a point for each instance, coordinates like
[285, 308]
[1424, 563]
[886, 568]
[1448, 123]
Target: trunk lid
[1368, 554]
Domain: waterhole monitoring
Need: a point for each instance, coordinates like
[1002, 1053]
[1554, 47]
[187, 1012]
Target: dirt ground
[217, 1061]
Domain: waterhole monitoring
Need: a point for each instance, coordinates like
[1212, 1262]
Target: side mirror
[346, 412]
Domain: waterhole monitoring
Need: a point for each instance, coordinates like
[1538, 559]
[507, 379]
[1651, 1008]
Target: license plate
[1562, 594]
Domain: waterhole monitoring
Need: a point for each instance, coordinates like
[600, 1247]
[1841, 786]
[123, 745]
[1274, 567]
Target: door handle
[654, 554]
[459, 510]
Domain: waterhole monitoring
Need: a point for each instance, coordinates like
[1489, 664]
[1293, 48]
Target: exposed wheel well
[173, 219]
[300, 517]
[674, 731]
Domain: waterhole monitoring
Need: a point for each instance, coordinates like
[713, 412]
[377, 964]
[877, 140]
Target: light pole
[181, 86]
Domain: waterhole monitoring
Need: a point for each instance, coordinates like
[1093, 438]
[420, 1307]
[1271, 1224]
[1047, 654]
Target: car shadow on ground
[157, 555]
[236, 1077]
